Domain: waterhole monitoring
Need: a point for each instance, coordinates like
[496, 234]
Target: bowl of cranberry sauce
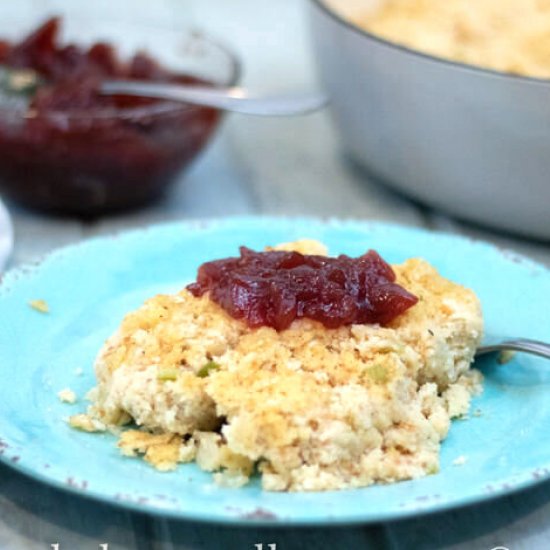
[67, 149]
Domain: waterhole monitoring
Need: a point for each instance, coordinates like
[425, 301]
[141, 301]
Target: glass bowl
[90, 163]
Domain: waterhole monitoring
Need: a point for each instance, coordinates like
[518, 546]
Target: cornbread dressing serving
[511, 36]
[307, 407]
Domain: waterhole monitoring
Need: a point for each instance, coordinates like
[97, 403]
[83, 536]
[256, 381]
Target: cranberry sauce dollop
[68, 149]
[274, 288]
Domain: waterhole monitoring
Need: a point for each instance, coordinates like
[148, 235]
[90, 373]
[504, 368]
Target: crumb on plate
[67, 396]
[505, 356]
[40, 305]
[460, 460]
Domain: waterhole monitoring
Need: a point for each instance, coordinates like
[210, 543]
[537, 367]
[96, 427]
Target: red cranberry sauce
[275, 288]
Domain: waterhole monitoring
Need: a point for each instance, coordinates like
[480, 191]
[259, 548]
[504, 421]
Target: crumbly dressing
[511, 36]
[312, 408]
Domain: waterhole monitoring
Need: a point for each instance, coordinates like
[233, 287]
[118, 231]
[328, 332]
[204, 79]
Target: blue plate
[91, 286]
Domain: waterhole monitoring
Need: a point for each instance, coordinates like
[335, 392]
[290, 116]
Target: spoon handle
[534, 347]
[228, 99]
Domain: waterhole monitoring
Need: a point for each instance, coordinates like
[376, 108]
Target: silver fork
[525, 345]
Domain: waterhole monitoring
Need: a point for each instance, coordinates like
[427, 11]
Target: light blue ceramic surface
[91, 286]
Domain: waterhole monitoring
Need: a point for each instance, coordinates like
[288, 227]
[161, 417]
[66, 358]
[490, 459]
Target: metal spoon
[534, 347]
[21, 83]
[233, 99]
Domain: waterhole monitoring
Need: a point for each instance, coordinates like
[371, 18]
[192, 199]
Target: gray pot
[470, 141]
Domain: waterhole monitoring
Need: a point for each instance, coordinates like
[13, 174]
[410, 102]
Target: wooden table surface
[257, 166]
